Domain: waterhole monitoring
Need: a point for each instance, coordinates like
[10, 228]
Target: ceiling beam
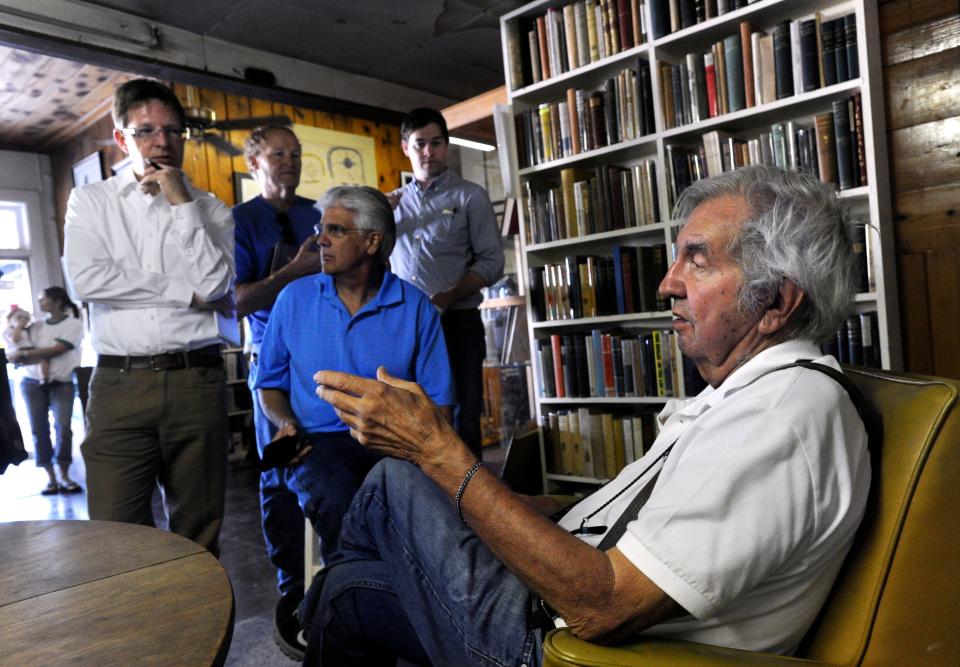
[79, 30]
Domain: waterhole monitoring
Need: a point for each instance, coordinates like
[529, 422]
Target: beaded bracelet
[463, 486]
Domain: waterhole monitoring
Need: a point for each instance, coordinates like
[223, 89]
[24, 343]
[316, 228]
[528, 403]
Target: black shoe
[286, 627]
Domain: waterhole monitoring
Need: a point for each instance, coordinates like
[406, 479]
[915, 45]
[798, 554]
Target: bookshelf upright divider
[600, 149]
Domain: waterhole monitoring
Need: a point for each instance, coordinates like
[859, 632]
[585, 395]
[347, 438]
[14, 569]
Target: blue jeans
[320, 488]
[412, 581]
[40, 400]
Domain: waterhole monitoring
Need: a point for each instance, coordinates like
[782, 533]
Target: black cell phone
[279, 453]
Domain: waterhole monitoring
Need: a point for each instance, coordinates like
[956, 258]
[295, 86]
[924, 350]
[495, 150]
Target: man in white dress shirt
[153, 256]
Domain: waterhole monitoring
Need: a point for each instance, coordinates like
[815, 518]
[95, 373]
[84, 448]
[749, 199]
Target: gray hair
[371, 209]
[796, 229]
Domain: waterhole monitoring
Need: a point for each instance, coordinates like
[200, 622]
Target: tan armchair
[897, 599]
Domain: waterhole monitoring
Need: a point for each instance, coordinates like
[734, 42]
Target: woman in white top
[57, 339]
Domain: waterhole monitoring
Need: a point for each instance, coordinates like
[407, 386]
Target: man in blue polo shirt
[269, 230]
[355, 317]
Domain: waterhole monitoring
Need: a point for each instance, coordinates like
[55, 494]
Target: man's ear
[403, 146]
[373, 243]
[786, 300]
[120, 139]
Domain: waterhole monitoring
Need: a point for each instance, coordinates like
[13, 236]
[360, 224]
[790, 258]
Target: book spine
[841, 134]
[533, 45]
[570, 37]
[733, 56]
[617, 350]
[599, 368]
[590, 15]
[829, 55]
[861, 165]
[782, 60]
[514, 56]
[609, 383]
[720, 61]
[659, 17]
[797, 58]
[545, 70]
[746, 47]
[710, 76]
[624, 25]
[826, 149]
[850, 44]
[809, 55]
[548, 384]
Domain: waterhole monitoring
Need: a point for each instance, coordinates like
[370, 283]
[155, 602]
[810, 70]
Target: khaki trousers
[166, 428]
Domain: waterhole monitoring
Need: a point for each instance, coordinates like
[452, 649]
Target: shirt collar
[126, 180]
[770, 358]
[445, 179]
[390, 292]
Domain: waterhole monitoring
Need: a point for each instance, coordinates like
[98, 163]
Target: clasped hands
[390, 415]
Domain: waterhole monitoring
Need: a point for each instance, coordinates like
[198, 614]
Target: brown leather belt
[203, 357]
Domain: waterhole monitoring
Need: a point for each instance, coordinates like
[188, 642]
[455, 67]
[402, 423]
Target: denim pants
[41, 399]
[412, 581]
[320, 488]
[464, 335]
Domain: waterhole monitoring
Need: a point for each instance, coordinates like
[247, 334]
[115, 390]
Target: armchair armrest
[562, 649]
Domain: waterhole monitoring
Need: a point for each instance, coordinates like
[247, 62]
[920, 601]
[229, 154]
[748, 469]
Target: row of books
[667, 16]
[596, 286]
[610, 364]
[857, 341]
[832, 148]
[751, 68]
[620, 110]
[591, 443]
[585, 202]
[572, 36]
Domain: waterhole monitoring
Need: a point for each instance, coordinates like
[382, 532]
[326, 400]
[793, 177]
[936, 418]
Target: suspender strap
[633, 509]
[871, 423]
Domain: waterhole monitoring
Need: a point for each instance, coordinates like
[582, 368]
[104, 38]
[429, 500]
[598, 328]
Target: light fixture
[467, 143]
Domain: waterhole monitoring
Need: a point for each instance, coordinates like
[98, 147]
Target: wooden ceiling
[45, 101]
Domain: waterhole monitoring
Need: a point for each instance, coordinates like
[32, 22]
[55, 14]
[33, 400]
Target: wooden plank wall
[211, 170]
[921, 61]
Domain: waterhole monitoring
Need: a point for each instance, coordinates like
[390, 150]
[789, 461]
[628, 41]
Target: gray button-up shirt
[444, 231]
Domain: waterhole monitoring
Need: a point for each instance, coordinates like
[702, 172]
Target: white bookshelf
[871, 202]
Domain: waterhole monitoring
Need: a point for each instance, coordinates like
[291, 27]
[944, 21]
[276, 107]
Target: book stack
[572, 36]
[596, 286]
[829, 145]
[752, 67]
[618, 111]
[857, 341]
[609, 364]
[586, 202]
[593, 443]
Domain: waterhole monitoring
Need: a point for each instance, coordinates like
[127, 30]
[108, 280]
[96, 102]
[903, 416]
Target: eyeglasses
[336, 231]
[143, 133]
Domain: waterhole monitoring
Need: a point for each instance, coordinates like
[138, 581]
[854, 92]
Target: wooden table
[104, 593]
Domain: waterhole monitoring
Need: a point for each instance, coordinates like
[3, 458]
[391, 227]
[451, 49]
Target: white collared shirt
[756, 505]
[138, 261]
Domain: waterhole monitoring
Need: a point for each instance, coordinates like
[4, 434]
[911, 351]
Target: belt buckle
[155, 363]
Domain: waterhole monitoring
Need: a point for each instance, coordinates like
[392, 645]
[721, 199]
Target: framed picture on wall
[88, 170]
[406, 177]
[121, 166]
[245, 187]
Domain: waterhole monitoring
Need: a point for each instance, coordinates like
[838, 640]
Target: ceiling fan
[202, 122]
